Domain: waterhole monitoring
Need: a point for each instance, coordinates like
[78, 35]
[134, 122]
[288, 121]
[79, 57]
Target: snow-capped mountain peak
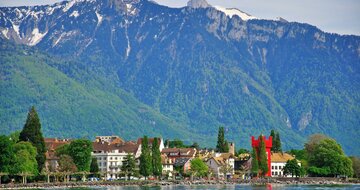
[233, 11]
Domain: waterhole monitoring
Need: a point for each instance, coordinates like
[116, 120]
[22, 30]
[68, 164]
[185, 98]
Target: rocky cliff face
[203, 68]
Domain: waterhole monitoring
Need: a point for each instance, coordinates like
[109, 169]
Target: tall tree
[94, 167]
[222, 145]
[145, 158]
[7, 154]
[32, 133]
[128, 166]
[263, 163]
[278, 142]
[80, 151]
[156, 158]
[272, 134]
[254, 163]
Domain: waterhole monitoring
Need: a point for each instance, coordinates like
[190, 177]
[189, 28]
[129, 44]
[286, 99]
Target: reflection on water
[225, 187]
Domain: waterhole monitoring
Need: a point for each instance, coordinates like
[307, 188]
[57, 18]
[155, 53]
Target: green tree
[15, 136]
[272, 134]
[176, 143]
[356, 166]
[156, 158]
[198, 167]
[80, 151]
[94, 167]
[292, 167]
[145, 158]
[242, 151]
[128, 167]
[25, 160]
[278, 142]
[61, 150]
[67, 166]
[7, 154]
[32, 133]
[329, 154]
[222, 145]
[263, 163]
[299, 154]
[312, 142]
[254, 163]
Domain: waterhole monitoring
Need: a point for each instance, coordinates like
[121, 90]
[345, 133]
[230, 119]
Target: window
[276, 173]
[275, 167]
[272, 167]
[280, 167]
[110, 158]
[272, 173]
[100, 164]
[279, 173]
[115, 158]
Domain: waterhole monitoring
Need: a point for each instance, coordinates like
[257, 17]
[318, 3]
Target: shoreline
[257, 182]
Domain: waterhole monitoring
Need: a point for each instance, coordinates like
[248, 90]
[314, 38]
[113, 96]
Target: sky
[334, 16]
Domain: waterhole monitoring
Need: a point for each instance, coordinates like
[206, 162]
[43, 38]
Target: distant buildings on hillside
[110, 151]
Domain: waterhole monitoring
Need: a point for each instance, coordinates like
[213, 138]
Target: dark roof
[182, 151]
[107, 147]
[181, 161]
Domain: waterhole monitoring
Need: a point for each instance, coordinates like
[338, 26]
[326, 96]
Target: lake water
[224, 187]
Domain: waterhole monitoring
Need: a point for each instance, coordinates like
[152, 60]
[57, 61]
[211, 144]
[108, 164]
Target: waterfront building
[278, 162]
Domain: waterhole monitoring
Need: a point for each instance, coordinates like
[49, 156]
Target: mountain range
[133, 67]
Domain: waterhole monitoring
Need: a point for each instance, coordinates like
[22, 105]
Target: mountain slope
[67, 107]
[202, 68]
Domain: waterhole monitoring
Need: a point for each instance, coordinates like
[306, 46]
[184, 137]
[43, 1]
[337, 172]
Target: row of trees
[150, 159]
[23, 153]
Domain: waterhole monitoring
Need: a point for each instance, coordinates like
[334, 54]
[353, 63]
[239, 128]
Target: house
[278, 162]
[183, 163]
[167, 165]
[51, 145]
[110, 156]
[242, 166]
[222, 161]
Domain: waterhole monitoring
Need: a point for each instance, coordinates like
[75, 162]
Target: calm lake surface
[222, 187]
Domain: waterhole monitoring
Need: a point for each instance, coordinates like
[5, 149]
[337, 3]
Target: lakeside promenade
[264, 181]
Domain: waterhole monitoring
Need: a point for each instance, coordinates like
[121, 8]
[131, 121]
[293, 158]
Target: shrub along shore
[263, 181]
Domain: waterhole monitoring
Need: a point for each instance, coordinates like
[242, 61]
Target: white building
[110, 156]
[221, 160]
[278, 162]
[167, 165]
